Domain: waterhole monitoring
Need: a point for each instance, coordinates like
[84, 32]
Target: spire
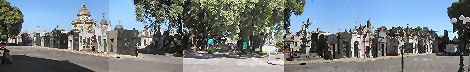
[119, 26]
[103, 20]
[103, 13]
[37, 29]
[109, 25]
[368, 23]
[83, 5]
[83, 11]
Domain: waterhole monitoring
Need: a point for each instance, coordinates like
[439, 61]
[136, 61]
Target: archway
[356, 49]
[382, 46]
[368, 51]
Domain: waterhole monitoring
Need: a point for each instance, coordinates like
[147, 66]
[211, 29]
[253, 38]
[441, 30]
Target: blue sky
[50, 13]
[330, 15]
[124, 10]
[336, 15]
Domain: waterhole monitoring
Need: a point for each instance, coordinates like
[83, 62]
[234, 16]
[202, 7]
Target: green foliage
[458, 8]
[381, 28]
[11, 20]
[399, 31]
[282, 47]
[291, 6]
[203, 19]
[211, 50]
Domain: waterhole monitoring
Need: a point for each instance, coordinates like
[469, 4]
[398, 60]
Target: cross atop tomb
[103, 13]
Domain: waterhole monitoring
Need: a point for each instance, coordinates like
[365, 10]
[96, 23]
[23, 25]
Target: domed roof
[103, 21]
[118, 27]
[83, 11]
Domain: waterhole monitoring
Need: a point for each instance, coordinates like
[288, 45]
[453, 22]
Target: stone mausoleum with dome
[87, 35]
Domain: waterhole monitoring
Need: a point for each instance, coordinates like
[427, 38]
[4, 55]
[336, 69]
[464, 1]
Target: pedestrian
[6, 56]
[93, 49]
[9, 58]
[136, 52]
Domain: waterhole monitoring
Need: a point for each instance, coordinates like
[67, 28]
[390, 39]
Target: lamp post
[459, 26]
[402, 53]
[405, 35]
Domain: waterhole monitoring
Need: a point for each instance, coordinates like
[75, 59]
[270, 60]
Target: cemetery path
[252, 64]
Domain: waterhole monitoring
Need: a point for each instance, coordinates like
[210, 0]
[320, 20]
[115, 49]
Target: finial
[119, 22]
[83, 4]
[37, 29]
[103, 13]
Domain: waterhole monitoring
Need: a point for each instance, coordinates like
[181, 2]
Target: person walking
[5, 57]
[136, 51]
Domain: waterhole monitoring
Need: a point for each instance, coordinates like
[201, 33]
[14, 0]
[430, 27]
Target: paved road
[31, 59]
[426, 63]
[234, 64]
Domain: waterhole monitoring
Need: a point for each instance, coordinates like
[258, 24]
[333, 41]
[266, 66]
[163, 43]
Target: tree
[200, 20]
[11, 20]
[458, 8]
[158, 12]
[259, 18]
[381, 29]
[281, 46]
[291, 6]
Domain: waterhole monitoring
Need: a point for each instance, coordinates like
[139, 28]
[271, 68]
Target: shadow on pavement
[148, 50]
[24, 63]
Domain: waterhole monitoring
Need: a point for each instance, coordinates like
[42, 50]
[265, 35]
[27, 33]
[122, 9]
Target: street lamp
[405, 35]
[459, 25]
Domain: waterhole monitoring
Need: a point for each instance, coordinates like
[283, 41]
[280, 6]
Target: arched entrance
[347, 47]
[382, 47]
[368, 51]
[356, 49]
[375, 51]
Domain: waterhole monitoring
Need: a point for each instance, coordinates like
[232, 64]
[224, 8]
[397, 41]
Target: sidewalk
[269, 59]
[276, 59]
[351, 59]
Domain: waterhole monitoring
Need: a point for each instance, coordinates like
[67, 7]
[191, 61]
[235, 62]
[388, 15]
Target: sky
[330, 15]
[336, 15]
[48, 14]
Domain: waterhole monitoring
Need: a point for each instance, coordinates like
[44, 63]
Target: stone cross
[103, 13]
